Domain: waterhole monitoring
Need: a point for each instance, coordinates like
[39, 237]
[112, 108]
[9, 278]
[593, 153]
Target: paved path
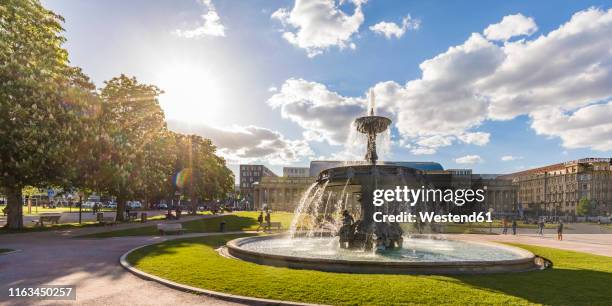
[90, 264]
[599, 244]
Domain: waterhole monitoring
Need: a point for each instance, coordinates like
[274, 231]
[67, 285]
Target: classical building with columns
[280, 193]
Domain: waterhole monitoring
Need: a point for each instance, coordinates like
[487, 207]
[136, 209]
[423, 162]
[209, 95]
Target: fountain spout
[371, 126]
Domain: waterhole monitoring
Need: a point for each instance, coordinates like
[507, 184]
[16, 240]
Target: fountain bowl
[372, 124]
[420, 255]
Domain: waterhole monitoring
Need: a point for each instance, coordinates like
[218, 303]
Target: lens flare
[182, 178]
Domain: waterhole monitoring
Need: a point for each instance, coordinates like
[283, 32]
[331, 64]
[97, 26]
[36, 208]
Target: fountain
[334, 229]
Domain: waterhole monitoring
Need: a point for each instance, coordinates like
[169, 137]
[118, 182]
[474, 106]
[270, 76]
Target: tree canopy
[56, 129]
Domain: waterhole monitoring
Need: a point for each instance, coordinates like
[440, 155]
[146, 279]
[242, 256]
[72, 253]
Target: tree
[201, 173]
[585, 207]
[133, 125]
[40, 102]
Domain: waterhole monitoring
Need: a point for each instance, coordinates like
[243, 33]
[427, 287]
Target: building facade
[251, 174]
[557, 189]
[296, 171]
[280, 193]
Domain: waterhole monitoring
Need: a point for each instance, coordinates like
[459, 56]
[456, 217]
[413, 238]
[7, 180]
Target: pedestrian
[505, 225]
[514, 227]
[268, 220]
[541, 228]
[560, 230]
[260, 220]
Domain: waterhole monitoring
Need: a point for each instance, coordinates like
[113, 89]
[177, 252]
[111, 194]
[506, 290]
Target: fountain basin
[419, 255]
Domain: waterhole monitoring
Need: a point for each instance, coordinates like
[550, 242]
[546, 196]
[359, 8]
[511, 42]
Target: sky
[493, 86]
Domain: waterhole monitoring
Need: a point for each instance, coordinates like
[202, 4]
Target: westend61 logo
[428, 195]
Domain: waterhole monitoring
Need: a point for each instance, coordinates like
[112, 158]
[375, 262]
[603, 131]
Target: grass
[2, 251]
[50, 227]
[238, 221]
[576, 279]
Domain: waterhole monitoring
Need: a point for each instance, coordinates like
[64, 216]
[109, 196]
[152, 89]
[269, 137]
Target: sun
[192, 93]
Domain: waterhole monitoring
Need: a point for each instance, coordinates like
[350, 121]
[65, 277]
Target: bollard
[143, 217]
[222, 226]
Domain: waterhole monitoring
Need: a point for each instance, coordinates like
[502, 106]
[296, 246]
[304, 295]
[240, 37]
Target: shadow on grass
[171, 247]
[557, 286]
[232, 223]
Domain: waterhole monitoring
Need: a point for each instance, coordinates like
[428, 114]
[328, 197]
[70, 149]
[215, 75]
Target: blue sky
[274, 82]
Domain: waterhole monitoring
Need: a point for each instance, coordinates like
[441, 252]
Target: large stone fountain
[334, 229]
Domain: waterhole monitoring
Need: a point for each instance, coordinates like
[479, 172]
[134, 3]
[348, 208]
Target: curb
[185, 288]
[10, 252]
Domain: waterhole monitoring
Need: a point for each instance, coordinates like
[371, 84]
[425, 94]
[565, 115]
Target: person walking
[514, 227]
[541, 227]
[268, 220]
[560, 230]
[260, 220]
[505, 225]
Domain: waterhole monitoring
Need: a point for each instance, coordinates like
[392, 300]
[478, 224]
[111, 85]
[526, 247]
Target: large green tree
[203, 175]
[585, 207]
[132, 141]
[41, 102]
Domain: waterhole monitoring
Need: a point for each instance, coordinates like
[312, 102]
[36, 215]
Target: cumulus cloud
[510, 158]
[249, 144]
[211, 25]
[390, 29]
[511, 26]
[590, 126]
[316, 25]
[325, 115]
[561, 80]
[469, 159]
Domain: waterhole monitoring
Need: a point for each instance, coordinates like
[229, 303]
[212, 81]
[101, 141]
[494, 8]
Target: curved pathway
[56, 258]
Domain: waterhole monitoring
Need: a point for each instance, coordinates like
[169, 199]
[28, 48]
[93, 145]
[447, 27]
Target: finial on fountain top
[372, 102]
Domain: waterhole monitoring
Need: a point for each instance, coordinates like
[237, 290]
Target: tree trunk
[194, 205]
[120, 216]
[14, 218]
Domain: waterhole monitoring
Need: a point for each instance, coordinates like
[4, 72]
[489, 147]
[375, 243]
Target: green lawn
[2, 251]
[238, 221]
[51, 227]
[577, 278]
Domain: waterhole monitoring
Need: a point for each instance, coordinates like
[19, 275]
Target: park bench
[277, 225]
[49, 219]
[132, 216]
[107, 221]
[170, 228]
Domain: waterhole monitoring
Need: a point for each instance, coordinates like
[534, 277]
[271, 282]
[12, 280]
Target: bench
[278, 225]
[49, 219]
[107, 221]
[131, 216]
[170, 228]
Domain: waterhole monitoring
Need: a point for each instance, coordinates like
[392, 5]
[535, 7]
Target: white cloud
[588, 127]
[249, 144]
[469, 159]
[423, 151]
[325, 115]
[559, 80]
[272, 89]
[316, 25]
[511, 26]
[211, 26]
[390, 29]
[477, 138]
[510, 158]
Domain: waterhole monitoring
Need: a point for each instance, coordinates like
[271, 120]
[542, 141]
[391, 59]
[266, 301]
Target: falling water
[300, 208]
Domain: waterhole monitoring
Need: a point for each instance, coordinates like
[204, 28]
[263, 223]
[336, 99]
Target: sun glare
[191, 92]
